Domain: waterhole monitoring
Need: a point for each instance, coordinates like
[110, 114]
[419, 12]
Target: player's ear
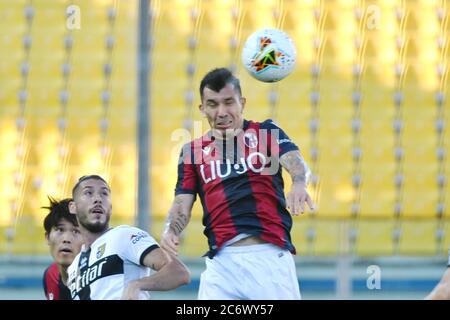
[47, 237]
[72, 207]
[202, 109]
[243, 102]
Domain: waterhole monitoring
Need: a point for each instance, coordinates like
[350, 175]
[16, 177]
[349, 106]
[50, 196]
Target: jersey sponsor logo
[108, 266]
[87, 277]
[255, 162]
[206, 150]
[136, 237]
[83, 262]
[280, 141]
[101, 251]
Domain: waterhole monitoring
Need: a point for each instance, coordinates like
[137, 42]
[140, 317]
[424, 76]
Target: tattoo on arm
[294, 163]
[178, 217]
[179, 224]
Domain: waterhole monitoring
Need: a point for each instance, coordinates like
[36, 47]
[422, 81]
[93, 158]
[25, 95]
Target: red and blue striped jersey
[240, 185]
[54, 288]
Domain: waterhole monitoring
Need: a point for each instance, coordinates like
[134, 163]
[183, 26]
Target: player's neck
[90, 237]
[63, 273]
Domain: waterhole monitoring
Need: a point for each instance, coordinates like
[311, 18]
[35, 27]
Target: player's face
[65, 242]
[93, 205]
[223, 109]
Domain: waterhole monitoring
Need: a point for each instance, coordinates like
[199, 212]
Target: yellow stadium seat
[447, 207]
[299, 233]
[94, 19]
[375, 237]
[157, 227]
[12, 14]
[85, 98]
[446, 238]
[121, 132]
[377, 194]
[327, 241]
[193, 242]
[420, 192]
[29, 237]
[44, 95]
[418, 237]
[335, 194]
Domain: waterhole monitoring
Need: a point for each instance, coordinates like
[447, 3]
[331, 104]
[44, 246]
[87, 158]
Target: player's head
[222, 101]
[62, 232]
[92, 203]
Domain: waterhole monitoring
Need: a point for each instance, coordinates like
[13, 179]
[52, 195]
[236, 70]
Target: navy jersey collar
[246, 124]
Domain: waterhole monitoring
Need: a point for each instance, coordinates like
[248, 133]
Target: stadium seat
[446, 238]
[193, 242]
[418, 237]
[375, 237]
[299, 234]
[28, 237]
[327, 241]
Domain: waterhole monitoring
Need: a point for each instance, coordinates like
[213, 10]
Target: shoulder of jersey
[268, 123]
[119, 230]
[126, 230]
[52, 271]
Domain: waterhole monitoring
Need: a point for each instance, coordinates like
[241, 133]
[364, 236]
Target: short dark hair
[84, 178]
[217, 79]
[58, 210]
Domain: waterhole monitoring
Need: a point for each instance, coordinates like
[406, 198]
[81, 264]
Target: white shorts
[255, 272]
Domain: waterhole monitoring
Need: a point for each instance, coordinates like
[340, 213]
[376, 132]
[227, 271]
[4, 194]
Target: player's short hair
[217, 79]
[84, 178]
[58, 210]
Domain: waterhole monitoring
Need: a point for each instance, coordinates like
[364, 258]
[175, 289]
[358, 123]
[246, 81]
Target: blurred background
[367, 104]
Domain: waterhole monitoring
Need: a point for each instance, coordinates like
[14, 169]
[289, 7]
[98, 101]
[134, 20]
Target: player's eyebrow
[92, 187]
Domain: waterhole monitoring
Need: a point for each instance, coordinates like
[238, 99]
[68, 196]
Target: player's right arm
[178, 218]
[442, 289]
[185, 193]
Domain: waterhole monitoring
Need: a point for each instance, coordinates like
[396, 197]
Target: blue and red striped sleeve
[280, 140]
[187, 177]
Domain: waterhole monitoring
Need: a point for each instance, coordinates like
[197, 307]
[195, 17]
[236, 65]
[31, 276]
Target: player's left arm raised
[170, 274]
[294, 163]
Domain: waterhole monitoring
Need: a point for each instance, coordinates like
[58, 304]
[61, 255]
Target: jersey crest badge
[101, 251]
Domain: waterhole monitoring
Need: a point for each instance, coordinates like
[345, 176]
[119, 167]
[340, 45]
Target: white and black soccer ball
[269, 55]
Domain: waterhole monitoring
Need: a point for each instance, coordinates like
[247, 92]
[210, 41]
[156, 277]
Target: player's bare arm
[442, 289]
[294, 163]
[171, 273]
[178, 218]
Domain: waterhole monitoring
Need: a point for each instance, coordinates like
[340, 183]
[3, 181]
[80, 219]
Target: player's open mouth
[66, 250]
[224, 125]
[97, 209]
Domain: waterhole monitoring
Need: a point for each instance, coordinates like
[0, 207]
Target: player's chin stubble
[95, 227]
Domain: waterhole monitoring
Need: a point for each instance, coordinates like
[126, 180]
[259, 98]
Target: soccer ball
[269, 55]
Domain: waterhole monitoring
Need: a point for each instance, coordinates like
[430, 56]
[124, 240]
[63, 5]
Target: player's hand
[132, 291]
[170, 242]
[297, 198]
